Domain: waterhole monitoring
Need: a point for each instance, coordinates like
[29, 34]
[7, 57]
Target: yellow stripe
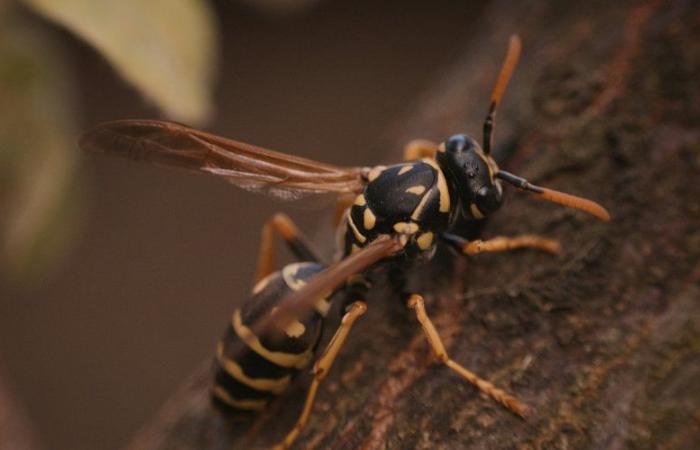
[490, 163]
[354, 229]
[276, 386]
[253, 405]
[260, 285]
[375, 172]
[442, 186]
[369, 219]
[419, 209]
[405, 169]
[298, 361]
[476, 212]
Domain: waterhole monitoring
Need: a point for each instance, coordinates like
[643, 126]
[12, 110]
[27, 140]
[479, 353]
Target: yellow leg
[419, 148]
[501, 244]
[282, 225]
[416, 303]
[321, 369]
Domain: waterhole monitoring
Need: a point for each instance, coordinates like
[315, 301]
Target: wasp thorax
[470, 174]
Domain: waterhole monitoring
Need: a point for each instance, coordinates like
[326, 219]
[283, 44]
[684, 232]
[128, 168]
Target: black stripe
[236, 389]
[253, 365]
[230, 409]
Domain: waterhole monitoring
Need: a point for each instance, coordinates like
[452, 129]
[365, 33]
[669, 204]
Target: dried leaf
[166, 48]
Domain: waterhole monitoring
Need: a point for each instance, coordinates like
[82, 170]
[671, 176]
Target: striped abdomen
[250, 369]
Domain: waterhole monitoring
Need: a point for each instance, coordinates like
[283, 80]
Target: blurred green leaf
[39, 199]
[166, 48]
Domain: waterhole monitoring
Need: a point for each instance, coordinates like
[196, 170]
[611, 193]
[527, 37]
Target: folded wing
[299, 303]
[247, 166]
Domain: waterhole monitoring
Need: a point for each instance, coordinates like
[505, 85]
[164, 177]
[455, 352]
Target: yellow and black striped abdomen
[251, 369]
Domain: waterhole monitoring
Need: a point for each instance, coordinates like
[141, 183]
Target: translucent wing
[299, 303]
[247, 166]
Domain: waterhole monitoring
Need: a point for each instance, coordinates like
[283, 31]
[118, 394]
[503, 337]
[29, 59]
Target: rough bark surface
[602, 342]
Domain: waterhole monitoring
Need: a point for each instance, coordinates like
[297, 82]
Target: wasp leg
[419, 148]
[416, 303]
[295, 240]
[502, 244]
[322, 367]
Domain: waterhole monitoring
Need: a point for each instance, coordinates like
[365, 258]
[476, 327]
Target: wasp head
[470, 174]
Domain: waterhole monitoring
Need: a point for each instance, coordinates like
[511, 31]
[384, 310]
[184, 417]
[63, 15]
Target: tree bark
[602, 342]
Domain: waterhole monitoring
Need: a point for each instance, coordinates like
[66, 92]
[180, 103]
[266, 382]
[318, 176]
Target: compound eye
[488, 199]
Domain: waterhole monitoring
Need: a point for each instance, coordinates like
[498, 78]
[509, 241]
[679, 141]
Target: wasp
[398, 215]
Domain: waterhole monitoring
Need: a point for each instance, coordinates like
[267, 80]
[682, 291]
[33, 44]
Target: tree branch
[602, 342]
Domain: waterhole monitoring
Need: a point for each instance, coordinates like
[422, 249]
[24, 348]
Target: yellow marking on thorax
[369, 219]
[355, 231]
[406, 227]
[298, 361]
[360, 200]
[442, 186]
[425, 240]
[404, 169]
[375, 172]
[419, 209]
[252, 405]
[418, 190]
[276, 386]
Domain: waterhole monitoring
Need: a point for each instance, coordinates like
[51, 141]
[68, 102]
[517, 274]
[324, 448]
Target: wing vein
[245, 165]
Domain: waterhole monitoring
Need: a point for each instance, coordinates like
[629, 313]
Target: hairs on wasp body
[397, 214]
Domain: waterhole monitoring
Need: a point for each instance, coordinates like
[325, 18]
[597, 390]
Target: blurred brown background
[162, 256]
